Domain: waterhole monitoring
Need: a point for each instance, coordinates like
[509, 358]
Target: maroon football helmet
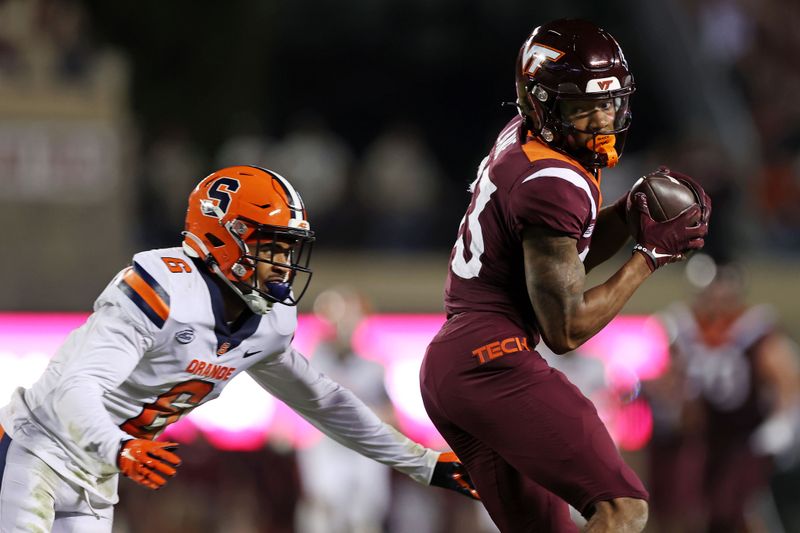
[573, 59]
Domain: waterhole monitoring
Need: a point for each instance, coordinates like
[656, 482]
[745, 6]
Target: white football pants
[33, 497]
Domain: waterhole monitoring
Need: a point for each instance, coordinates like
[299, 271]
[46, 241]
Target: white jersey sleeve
[340, 415]
[110, 347]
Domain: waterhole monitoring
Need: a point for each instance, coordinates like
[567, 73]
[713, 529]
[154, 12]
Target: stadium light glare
[244, 417]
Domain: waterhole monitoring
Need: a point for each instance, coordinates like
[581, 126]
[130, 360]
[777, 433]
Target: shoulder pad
[146, 293]
[140, 283]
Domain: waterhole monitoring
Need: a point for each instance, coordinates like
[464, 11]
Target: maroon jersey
[522, 182]
[530, 440]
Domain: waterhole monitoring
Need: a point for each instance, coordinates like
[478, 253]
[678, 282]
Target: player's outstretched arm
[342, 416]
[568, 313]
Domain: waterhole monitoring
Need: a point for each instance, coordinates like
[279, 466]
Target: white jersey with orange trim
[156, 347]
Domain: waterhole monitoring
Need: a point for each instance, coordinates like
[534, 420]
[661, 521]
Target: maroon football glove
[450, 473]
[668, 241]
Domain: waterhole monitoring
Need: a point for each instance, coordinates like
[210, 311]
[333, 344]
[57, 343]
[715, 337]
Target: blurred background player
[167, 334]
[728, 407]
[344, 492]
[531, 441]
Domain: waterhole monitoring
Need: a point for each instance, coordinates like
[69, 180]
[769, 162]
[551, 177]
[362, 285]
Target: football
[667, 197]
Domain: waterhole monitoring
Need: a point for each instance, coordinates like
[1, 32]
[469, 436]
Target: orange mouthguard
[604, 144]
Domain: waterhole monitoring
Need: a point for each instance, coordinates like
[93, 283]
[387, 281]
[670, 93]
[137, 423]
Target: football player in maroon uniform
[531, 441]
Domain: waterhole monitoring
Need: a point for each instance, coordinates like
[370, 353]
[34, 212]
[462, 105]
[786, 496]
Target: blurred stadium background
[379, 112]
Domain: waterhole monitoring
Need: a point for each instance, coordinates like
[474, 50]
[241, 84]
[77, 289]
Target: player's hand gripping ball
[450, 473]
[148, 463]
[667, 215]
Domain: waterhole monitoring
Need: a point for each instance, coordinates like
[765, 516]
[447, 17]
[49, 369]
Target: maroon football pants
[528, 437]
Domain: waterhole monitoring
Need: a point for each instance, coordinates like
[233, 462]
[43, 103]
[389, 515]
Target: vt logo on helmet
[573, 86]
[242, 217]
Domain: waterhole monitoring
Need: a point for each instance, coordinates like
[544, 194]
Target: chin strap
[257, 303]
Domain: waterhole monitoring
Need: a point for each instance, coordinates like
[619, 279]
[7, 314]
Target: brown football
[667, 197]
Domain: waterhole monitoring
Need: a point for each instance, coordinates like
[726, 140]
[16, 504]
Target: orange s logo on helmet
[220, 190]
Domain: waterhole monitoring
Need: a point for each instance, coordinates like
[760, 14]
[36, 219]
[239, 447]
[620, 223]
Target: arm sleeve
[340, 415]
[542, 200]
[108, 348]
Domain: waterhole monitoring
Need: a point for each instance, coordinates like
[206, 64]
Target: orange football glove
[449, 473]
[147, 462]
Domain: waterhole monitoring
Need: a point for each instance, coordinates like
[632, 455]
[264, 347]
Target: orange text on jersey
[210, 370]
[496, 349]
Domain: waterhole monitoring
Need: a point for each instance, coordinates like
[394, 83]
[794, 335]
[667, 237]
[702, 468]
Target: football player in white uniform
[167, 334]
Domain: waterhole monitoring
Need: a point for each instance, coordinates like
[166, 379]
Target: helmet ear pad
[226, 251]
[530, 109]
[242, 270]
[537, 113]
